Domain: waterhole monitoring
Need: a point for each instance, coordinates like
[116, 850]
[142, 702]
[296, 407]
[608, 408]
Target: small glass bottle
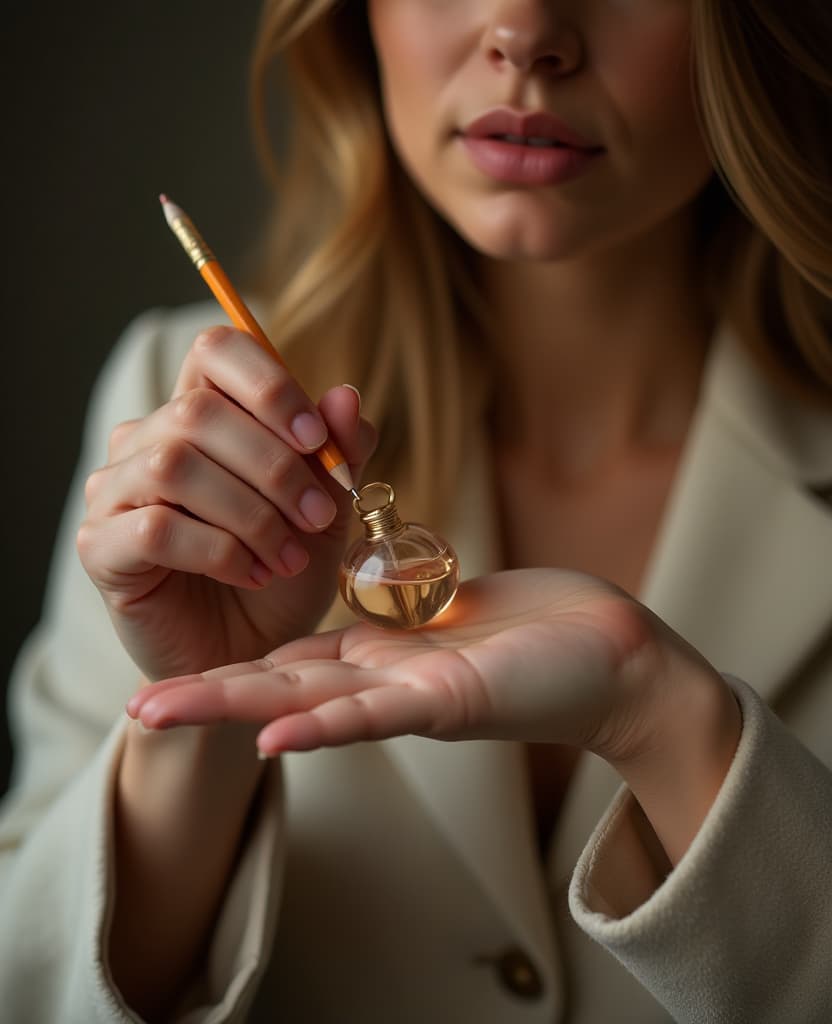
[399, 575]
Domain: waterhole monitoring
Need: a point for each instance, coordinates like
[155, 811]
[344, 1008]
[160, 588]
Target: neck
[599, 354]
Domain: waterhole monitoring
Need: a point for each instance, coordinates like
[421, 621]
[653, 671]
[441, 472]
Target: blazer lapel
[743, 564]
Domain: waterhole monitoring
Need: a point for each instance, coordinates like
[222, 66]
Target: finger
[141, 696]
[364, 716]
[358, 644]
[118, 438]
[173, 472]
[356, 437]
[232, 361]
[256, 697]
[319, 646]
[117, 551]
[232, 439]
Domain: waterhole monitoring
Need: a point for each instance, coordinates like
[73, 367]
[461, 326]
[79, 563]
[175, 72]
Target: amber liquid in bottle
[406, 601]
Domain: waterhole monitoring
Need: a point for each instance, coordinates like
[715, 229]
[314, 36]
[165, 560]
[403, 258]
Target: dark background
[103, 106]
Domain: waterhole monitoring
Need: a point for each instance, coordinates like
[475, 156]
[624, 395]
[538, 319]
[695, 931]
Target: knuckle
[221, 555]
[291, 678]
[196, 408]
[264, 521]
[153, 530]
[119, 434]
[272, 389]
[209, 341]
[85, 540]
[169, 460]
[280, 469]
[92, 485]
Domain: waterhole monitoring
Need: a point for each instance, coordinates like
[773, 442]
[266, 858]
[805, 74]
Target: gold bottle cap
[380, 520]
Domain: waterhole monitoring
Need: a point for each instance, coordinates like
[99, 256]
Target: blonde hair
[764, 86]
[369, 286]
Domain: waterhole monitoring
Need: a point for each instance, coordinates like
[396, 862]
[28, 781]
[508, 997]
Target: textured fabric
[382, 882]
[743, 922]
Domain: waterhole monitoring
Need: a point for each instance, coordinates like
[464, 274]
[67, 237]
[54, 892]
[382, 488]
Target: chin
[519, 250]
[518, 230]
[519, 242]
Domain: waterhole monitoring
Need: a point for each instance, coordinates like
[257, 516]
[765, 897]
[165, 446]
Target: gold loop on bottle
[379, 485]
[381, 520]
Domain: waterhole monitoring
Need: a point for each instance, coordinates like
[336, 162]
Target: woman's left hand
[531, 655]
[535, 655]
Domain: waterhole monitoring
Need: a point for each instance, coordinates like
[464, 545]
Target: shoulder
[141, 370]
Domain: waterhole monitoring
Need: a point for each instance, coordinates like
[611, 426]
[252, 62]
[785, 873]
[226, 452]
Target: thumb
[355, 436]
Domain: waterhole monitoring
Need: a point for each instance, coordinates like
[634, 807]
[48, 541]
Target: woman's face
[543, 129]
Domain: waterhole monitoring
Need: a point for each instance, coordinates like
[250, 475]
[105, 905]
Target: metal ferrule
[192, 242]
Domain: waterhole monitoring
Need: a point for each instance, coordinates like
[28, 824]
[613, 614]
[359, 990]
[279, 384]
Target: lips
[542, 128]
[527, 148]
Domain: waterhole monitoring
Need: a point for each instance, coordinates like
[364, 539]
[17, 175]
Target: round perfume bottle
[399, 575]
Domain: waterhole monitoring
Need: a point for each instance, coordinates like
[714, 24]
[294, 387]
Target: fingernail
[293, 556]
[309, 430]
[317, 507]
[260, 573]
[158, 719]
[263, 756]
[151, 709]
[352, 387]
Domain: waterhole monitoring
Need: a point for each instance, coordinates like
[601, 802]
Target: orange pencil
[240, 315]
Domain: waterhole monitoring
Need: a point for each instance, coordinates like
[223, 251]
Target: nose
[528, 35]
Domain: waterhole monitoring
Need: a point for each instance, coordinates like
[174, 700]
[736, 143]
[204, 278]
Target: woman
[584, 364]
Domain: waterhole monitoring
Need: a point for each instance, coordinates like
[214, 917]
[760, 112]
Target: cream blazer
[399, 881]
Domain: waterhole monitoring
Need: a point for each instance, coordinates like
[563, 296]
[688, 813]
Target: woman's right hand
[213, 534]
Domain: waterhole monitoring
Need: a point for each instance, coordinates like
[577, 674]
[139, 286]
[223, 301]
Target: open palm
[536, 655]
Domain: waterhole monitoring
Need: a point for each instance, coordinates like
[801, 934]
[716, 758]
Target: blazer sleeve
[741, 929]
[66, 702]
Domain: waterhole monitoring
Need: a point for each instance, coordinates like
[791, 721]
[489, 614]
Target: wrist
[181, 802]
[166, 776]
[689, 727]
[176, 764]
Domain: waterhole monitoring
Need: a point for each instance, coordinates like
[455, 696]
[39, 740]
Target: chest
[605, 524]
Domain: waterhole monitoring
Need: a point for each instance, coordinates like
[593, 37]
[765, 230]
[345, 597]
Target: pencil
[241, 316]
